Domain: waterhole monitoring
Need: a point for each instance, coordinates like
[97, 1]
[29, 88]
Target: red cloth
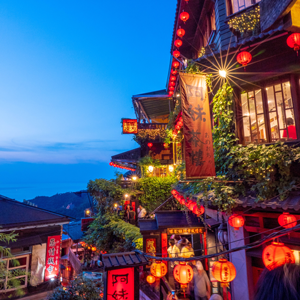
[292, 132]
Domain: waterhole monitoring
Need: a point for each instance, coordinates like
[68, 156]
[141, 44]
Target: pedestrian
[173, 252]
[216, 297]
[187, 251]
[282, 283]
[182, 243]
[131, 216]
[176, 238]
[202, 288]
[141, 212]
[126, 214]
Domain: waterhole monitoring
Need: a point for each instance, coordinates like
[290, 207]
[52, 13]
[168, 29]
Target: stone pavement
[39, 296]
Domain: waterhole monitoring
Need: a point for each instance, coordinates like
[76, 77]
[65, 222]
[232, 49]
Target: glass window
[238, 5]
[253, 117]
[281, 112]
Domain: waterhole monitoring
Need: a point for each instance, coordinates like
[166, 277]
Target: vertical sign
[120, 284]
[151, 246]
[52, 257]
[199, 152]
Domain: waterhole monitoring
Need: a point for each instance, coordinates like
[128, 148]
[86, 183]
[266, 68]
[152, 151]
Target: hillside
[69, 204]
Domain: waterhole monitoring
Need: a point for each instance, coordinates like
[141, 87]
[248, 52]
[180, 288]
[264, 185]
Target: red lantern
[183, 274]
[287, 220]
[276, 255]
[244, 58]
[158, 269]
[224, 271]
[184, 16]
[173, 72]
[150, 279]
[180, 123]
[172, 83]
[149, 145]
[178, 43]
[236, 221]
[171, 88]
[174, 192]
[111, 163]
[176, 53]
[180, 32]
[198, 211]
[175, 64]
[94, 249]
[191, 204]
[177, 127]
[171, 93]
[293, 41]
[173, 78]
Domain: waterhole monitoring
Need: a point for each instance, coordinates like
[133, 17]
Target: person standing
[126, 214]
[202, 286]
[141, 212]
[131, 216]
[187, 251]
[173, 252]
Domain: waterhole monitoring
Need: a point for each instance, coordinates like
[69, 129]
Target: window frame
[266, 114]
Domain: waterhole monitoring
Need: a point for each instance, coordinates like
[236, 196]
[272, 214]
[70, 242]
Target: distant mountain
[69, 204]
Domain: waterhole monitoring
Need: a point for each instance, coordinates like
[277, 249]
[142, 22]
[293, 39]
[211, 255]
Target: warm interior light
[222, 73]
[150, 169]
[87, 211]
[116, 205]
[171, 168]
[178, 95]
[126, 195]
[134, 178]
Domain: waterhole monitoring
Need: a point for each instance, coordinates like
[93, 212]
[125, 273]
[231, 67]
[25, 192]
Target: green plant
[147, 161]
[149, 134]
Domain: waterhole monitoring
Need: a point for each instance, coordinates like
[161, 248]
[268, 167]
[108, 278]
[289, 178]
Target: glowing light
[126, 195]
[223, 73]
[134, 178]
[150, 169]
[171, 168]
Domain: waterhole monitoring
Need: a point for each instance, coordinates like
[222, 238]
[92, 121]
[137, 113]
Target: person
[216, 297]
[187, 251]
[173, 251]
[126, 215]
[131, 216]
[282, 283]
[141, 212]
[176, 238]
[202, 287]
[291, 129]
[182, 243]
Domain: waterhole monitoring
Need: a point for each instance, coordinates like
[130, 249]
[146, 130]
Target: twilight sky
[68, 70]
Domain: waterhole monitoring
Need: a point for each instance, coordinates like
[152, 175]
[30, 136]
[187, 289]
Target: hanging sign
[130, 126]
[151, 246]
[52, 257]
[120, 284]
[199, 152]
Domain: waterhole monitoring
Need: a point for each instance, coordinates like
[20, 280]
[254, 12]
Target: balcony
[152, 126]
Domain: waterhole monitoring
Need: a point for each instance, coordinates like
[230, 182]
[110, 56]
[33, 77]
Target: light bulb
[222, 73]
[150, 169]
[171, 168]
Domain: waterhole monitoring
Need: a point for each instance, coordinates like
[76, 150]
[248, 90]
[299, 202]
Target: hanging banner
[52, 257]
[199, 152]
[120, 284]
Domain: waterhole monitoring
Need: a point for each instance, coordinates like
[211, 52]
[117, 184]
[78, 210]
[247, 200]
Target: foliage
[147, 161]
[155, 191]
[109, 232]
[169, 137]
[172, 118]
[80, 288]
[149, 134]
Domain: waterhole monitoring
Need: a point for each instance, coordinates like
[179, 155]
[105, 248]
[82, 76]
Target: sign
[184, 230]
[199, 152]
[130, 126]
[151, 246]
[120, 284]
[52, 257]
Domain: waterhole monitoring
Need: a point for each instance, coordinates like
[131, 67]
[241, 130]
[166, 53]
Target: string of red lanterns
[184, 16]
[121, 167]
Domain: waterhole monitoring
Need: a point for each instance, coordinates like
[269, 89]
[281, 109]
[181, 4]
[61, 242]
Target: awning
[24, 242]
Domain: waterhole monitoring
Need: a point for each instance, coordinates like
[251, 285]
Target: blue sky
[68, 70]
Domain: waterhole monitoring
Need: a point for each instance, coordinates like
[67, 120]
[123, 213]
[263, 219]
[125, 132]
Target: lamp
[150, 169]
[171, 168]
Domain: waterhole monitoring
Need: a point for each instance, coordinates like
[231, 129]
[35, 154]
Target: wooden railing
[152, 125]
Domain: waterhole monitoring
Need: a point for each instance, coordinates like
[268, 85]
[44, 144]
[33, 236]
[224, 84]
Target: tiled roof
[74, 230]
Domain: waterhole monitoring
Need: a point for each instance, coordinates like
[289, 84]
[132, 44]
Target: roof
[17, 214]
[123, 260]
[170, 219]
[131, 156]
[74, 230]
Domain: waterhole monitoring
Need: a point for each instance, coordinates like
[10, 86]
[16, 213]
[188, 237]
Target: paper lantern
[149, 145]
[173, 78]
[224, 271]
[174, 192]
[236, 221]
[244, 58]
[287, 220]
[176, 53]
[180, 123]
[175, 64]
[180, 32]
[183, 273]
[94, 249]
[293, 41]
[177, 127]
[171, 88]
[158, 269]
[171, 93]
[111, 163]
[174, 72]
[172, 83]
[178, 43]
[276, 255]
[191, 204]
[184, 16]
[150, 279]
[198, 211]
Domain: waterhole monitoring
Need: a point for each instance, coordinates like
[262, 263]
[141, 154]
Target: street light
[134, 178]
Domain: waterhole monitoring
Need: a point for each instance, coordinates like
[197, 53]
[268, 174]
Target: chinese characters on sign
[171, 231]
[151, 246]
[120, 284]
[52, 257]
[199, 153]
[130, 126]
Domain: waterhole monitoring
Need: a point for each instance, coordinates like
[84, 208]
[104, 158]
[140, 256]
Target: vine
[149, 134]
[147, 161]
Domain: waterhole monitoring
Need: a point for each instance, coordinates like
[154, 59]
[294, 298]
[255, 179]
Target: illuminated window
[237, 5]
[281, 112]
[253, 117]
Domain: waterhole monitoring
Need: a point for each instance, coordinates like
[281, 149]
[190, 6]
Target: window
[277, 123]
[14, 268]
[237, 5]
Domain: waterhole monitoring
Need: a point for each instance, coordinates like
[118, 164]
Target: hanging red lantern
[244, 58]
[173, 72]
[287, 220]
[224, 271]
[183, 274]
[236, 221]
[175, 64]
[293, 41]
[171, 93]
[171, 88]
[180, 123]
[191, 204]
[150, 279]
[198, 211]
[173, 78]
[276, 255]
[180, 32]
[177, 127]
[176, 53]
[184, 16]
[174, 192]
[158, 269]
[178, 43]
[111, 163]
[172, 83]
[94, 249]
[149, 145]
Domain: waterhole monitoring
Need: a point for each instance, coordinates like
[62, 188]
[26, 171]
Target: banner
[130, 126]
[199, 152]
[52, 257]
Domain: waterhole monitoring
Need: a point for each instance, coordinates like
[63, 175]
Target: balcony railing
[152, 126]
